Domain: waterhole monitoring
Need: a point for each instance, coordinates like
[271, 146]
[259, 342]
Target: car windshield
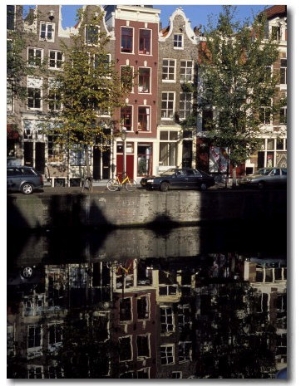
[263, 172]
[169, 172]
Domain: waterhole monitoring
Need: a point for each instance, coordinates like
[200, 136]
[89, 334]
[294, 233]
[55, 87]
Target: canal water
[193, 302]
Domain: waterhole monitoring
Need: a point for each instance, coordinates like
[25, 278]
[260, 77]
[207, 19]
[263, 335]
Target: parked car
[23, 179]
[175, 178]
[265, 177]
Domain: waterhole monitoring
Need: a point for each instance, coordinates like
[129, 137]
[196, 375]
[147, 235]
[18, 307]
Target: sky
[196, 13]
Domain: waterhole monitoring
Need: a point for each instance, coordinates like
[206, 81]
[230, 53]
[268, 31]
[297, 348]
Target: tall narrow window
[91, 34]
[167, 354]
[185, 105]
[126, 39]
[168, 149]
[167, 105]
[265, 111]
[144, 118]
[168, 69]
[143, 346]
[186, 70]
[283, 71]
[144, 80]
[126, 77]
[144, 41]
[34, 93]
[10, 17]
[126, 117]
[125, 348]
[178, 41]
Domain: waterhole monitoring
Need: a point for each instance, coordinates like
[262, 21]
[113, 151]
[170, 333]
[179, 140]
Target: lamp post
[123, 136]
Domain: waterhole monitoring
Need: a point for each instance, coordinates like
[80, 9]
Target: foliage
[235, 81]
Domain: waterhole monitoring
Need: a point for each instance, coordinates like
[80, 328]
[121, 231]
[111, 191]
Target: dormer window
[178, 41]
[91, 35]
[47, 31]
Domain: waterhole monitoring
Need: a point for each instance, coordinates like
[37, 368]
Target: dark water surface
[160, 303]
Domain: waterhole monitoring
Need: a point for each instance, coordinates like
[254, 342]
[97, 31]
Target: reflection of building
[153, 318]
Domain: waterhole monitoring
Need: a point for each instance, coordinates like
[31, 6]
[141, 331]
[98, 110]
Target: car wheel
[261, 185]
[27, 188]
[164, 186]
[203, 186]
[27, 272]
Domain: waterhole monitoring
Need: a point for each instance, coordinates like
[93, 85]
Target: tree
[236, 81]
[87, 88]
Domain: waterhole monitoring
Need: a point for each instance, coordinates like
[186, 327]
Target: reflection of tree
[234, 340]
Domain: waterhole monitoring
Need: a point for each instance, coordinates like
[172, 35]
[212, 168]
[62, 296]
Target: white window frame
[178, 43]
[166, 312]
[168, 351]
[186, 77]
[35, 84]
[184, 110]
[49, 29]
[55, 60]
[166, 63]
[90, 42]
[35, 50]
[167, 113]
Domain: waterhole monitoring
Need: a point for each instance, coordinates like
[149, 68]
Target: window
[283, 71]
[54, 372]
[178, 41]
[185, 104]
[126, 39]
[91, 34]
[9, 99]
[167, 105]
[10, 17]
[283, 115]
[34, 338]
[125, 309]
[184, 317]
[55, 334]
[167, 354]
[144, 41]
[34, 93]
[144, 80]
[54, 98]
[185, 351]
[35, 372]
[34, 57]
[143, 346]
[143, 307]
[168, 70]
[143, 373]
[265, 111]
[100, 59]
[55, 59]
[275, 33]
[144, 118]
[126, 117]
[168, 148]
[47, 31]
[125, 348]
[186, 70]
[126, 76]
[166, 319]
[207, 119]
[176, 375]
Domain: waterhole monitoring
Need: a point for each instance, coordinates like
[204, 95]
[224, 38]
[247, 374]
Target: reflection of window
[35, 372]
[143, 346]
[167, 104]
[125, 309]
[176, 374]
[144, 118]
[144, 80]
[166, 319]
[186, 70]
[168, 69]
[178, 41]
[35, 56]
[55, 59]
[126, 39]
[34, 336]
[167, 354]
[184, 351]
[144, 41]
[143, 307]
[125, 350]
[47, 31]
[91, 34]
[55, 333]
[126, 117]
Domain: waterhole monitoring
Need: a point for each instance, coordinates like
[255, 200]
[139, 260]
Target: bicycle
[115, 184]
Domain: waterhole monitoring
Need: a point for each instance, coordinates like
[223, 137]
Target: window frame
[166, 67]
[34, 61]
[145, 41]
[127, 39]
[185, 77]
[178, 41]
[169, 111]
[47, 32]
[56, 60]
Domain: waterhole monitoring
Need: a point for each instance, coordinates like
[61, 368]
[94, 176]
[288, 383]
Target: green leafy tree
[236, 81]
[87, 87]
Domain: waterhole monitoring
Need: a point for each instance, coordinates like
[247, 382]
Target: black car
[23, 179]
[175, 178]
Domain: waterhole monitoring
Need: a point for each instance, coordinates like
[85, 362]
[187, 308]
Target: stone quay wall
[142, 208]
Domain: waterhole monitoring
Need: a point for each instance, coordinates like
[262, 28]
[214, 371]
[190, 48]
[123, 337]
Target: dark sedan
[23, 179]
[265, 177]
[176, 178]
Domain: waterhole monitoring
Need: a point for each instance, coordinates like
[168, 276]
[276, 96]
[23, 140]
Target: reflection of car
[23, 179]
[265, 177]
[186, 178]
